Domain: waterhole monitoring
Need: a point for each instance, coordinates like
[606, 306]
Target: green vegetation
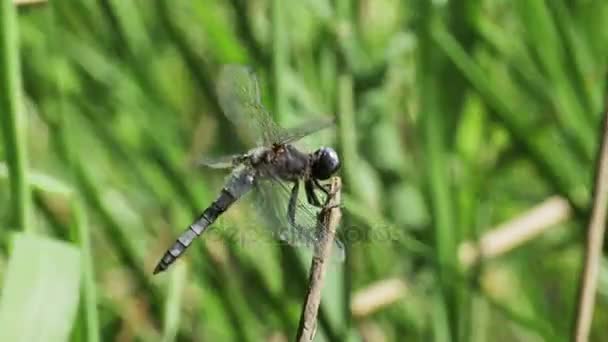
[452, 117]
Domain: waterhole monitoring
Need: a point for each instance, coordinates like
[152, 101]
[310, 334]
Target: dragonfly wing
[222, 162]
[271, 202]
[294, 134]
[239, 96]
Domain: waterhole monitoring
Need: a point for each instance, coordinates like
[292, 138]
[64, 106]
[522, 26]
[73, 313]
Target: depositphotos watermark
[261, 234]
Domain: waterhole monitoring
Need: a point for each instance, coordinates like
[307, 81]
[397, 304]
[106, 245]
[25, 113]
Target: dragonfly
[273, 168]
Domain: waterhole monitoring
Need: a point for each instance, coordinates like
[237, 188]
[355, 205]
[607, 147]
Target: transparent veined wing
[239, 96]
[221, 162]
[272, 197]
[290, 135]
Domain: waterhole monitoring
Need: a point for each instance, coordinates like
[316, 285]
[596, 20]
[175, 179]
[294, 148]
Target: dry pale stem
[330, 218]
[595, 240]
[377, 296]
[515, 232]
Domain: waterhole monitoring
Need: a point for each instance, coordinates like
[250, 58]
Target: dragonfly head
[325, 163]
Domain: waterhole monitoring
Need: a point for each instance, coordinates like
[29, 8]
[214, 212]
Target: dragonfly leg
[300, 231]
[311, 196]
[326, 191]
[322, 188]
[293, 201]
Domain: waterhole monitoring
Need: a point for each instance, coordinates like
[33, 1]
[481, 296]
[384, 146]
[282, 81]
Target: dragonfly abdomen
[237, 186]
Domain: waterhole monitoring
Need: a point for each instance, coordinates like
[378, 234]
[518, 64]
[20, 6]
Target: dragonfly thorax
[281, 161]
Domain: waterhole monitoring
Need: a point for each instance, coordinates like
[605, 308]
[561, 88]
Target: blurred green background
[453, 117]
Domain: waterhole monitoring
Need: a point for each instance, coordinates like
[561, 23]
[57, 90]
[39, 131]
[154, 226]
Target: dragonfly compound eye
[325, 163]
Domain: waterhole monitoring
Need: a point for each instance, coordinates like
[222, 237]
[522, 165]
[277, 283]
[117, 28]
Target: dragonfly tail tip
[159, 268]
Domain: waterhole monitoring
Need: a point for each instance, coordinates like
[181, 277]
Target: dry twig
[515, 232]
[330, 217]
[595, 240]
[377, 296]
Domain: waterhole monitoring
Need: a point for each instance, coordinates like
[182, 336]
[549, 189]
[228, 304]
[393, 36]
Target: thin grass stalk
[13, 121]
[83, 234]
[437, 165]
[595, 241]
[435, 151]
[173, 302]
[280, 58]
[347, 131]
[345, 101]
[347, 141]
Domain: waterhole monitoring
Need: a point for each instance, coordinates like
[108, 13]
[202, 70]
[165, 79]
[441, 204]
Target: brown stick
[595, 239]
[330, 217]
[515, 232]
[377, 296]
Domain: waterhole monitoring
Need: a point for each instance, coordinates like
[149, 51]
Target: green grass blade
[435, 135]
[13, 119]
[280, 59]
[583, 61]
[83, 237]
[41, 289]
[173, 305]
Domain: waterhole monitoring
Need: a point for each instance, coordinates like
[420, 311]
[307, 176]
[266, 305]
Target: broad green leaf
[41, 290]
